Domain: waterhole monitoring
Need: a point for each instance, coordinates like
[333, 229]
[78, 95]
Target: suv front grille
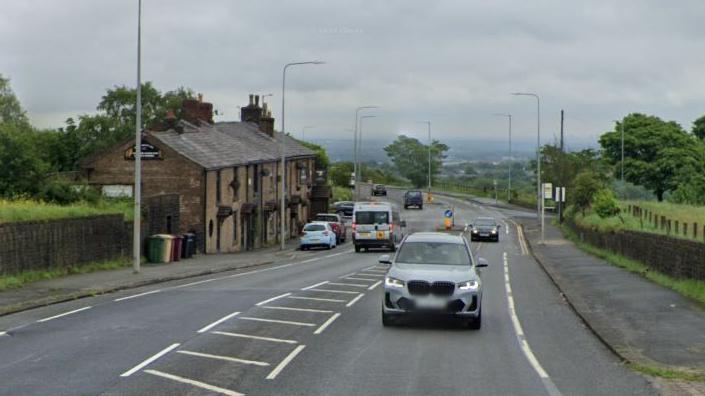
[423, 288]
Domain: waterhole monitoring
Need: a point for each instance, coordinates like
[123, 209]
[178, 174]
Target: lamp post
[359, 135]
[509, 172]
[303, 131]
[137, 191]
[429, 156]
[357, 118]
[539, 197]
[282, 148]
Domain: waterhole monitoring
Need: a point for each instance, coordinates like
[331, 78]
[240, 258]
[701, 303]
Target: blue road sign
[448, 213]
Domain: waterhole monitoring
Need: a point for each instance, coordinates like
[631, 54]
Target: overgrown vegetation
[21, 279]
[30, 210]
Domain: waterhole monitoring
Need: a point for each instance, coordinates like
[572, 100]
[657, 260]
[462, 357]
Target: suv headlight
[474, 230]
[393, 282]
[494, 231]
[469, 285]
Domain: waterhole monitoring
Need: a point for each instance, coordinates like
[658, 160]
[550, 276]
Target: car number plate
[364, 234]
[430, 303]
[484, 234]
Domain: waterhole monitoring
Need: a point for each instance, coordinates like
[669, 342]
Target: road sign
[560, 194]
[448, 213]
[547, 190]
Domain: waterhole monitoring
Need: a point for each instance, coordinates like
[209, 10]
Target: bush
[64, 193]
[605, 204]
[587, 185]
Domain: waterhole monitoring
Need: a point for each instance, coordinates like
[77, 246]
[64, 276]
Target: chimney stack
[194, 111]
[256, 100]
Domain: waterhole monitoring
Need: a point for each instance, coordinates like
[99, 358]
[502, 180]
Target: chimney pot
[256, 100]
[200, 98]
[252, 99]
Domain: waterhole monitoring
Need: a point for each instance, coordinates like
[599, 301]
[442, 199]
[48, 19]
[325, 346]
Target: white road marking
[316, 285]
[375, 271]
[374, 285]
[317, 299]
[137, 295]
[284, 362]
[522, 240]
[347, 284]
[506, 228]
[3, 333]
[226, 358]
[273, 299]
[333, 291]
[239, 335]
[149, 360]
[354, 300]
[518, 330]
[337, 254]
[360, 279]
[195, 383]
[217, 322]
[326, 323]
[63, 314]
[311, 260]
[278, 321]
[350, 274]
[298, 309]
[195, 283]
[371, 275]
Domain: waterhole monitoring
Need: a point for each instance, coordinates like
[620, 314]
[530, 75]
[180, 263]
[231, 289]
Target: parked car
[317, 234]
[376, 225]
[344, 208]
[433, 273]
[336, 224]
[484, 228]
[413, 198]
[379, 189]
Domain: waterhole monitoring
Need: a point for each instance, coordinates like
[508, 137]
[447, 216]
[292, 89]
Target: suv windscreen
[371, 217]
[315, 227]
[433, 253]
[485, 223]
[413, 194]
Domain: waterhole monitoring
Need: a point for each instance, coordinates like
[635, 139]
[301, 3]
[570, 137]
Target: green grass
[667, 373]
[342, 194]
[27, 210]
[21, 279]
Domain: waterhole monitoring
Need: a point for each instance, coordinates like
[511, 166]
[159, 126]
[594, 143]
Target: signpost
[448, 221]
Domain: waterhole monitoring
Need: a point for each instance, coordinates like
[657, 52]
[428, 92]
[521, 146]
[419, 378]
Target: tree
[410, 158]
[586, 185]
[654, 152]
[22, 169]
[11, 111]
[605, 204]
[699, 128]
[340, 173]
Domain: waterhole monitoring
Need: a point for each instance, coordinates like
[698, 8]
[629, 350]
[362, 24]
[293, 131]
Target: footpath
[72, 287]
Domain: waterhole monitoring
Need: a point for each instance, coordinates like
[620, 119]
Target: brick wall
[63, 243]
[678, 258]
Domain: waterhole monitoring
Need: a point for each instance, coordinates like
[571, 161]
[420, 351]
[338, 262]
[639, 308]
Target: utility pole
[137, 191]
[562, 184]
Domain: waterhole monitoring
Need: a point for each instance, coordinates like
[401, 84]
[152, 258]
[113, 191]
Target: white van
[375, 225]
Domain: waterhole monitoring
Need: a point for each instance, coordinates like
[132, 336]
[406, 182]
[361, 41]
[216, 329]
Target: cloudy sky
[451, 62]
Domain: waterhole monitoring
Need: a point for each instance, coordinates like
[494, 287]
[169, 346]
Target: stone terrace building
[227, 175]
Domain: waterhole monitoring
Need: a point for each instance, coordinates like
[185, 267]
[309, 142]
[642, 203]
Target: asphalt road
[313, 327]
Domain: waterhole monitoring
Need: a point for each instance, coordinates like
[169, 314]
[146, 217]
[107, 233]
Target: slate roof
[227, 144]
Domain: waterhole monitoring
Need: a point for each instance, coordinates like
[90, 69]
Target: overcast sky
[451, 62]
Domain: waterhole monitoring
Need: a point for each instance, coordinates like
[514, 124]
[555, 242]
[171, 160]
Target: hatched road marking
[354, 300]
[273, 299]
[195, 383]
[278, 321]
[298, 309]
[226, 358]
[284, 362]
[326, 323]
[240, 335]
[217, 322]
[149, 360]
[317, 299]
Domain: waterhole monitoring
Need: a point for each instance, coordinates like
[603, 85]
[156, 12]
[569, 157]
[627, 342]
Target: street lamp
[621, 124]
[136, 238]
[359, 135]
[282, 147]
[355, 167]
[539, 198]
[509, 181]
[303, 131]
[429, 155]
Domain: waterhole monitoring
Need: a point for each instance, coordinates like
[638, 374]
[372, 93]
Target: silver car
[433, 273]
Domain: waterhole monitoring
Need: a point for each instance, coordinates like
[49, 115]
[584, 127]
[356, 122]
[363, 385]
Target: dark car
[413, 198]
[484, 228]
[344, 208]
[379, 189]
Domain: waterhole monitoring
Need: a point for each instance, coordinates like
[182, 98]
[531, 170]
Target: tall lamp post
[136, 238]
[359, 136]
[509, 172]
[355, 139]
[428, 123]
[539, 197]
[282, 148]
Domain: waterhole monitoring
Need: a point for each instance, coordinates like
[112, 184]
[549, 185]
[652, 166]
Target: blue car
[317, 234]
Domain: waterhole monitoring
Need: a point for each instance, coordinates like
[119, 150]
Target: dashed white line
[284, 362]
[195, 383]
[374, 285]
[333, 291]
[196, 283]
[149, 360]
[298, 309]
[137, 295]
[225, 358]
[311, 260]
[63, 314]
[273, 299]
[240, 335]
[316, 299]
[326, 323]
[278, 321]
[316, 285]
[347, 284]
[217, 322]
[354, 300]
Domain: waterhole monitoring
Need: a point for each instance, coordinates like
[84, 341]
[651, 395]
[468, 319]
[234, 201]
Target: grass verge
[28, 210]
[21, 279]
[667, 373]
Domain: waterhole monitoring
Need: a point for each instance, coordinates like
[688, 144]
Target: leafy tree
[605, 204]
[339, 173]
[22, 167]
[11, 111]
[586, 185]
[410, 158]
[699, 128]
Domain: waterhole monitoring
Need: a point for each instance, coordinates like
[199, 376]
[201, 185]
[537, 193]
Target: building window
[217, 187]
[255, 180]
[234, 227]
[235, 185]
[303, 175]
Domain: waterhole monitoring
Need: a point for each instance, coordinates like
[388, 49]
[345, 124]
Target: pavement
[310, 324]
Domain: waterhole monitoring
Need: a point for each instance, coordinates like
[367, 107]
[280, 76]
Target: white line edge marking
[137, 295]
[149, 360]
[316, 285]
[240, 335]
[360, 279]
[217, 322]
[225, 358]
[317, 299]
[311, 260]
[278, 321]
[374, 285]
[370, 275]
[285, 362]
[327, 323]
[333, 291]
[354, 300]
[272, 299]
[63, 314]
[347, 284]
[298, 309]
[3, 333]
[346, 275]
[521, 338]
[195, 383]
